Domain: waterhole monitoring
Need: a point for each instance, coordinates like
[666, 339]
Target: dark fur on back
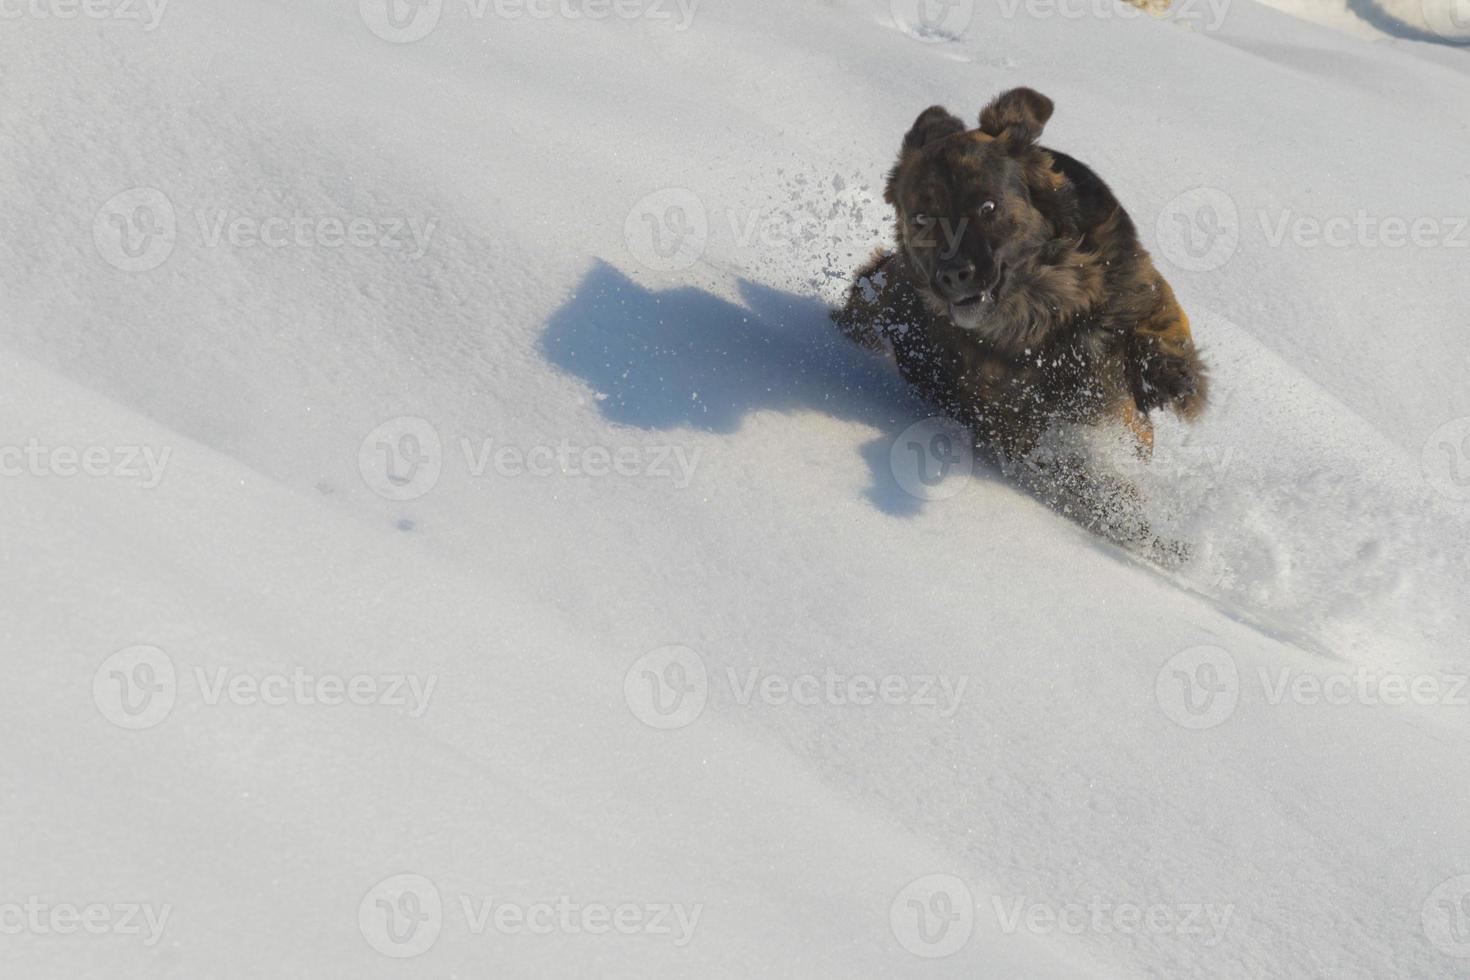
[1019, 293]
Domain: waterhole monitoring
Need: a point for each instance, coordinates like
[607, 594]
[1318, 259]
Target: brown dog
[1019, 294]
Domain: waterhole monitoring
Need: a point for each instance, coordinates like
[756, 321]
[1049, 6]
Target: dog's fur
[1073, 324]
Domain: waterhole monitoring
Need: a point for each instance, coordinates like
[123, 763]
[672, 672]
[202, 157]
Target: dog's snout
[956, 279]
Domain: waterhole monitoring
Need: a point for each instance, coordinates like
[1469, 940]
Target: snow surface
[759, 523]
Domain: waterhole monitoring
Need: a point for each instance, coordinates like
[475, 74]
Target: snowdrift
[446, 535]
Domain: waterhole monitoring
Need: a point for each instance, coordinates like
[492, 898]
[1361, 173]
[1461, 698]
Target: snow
[416, 522]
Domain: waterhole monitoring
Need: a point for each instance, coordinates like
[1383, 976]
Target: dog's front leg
[871, 303]
[1165, 370]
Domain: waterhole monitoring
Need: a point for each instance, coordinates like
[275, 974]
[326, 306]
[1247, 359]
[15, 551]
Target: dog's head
[977, 208]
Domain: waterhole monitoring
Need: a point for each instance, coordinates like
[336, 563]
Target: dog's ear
[1018, 115]
[934, 123]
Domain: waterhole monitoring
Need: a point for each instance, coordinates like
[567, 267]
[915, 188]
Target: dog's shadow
[685, 358]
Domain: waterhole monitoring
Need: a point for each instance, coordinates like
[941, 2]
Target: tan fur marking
[1142, 428]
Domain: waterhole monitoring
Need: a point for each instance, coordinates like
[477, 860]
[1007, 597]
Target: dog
[1019, 295]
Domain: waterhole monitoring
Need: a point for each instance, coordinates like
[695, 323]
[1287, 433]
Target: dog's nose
[957, 279]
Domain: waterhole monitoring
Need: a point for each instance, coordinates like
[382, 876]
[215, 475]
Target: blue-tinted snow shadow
[685, 358]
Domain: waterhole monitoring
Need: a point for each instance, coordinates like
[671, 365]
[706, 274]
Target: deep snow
[608, 245]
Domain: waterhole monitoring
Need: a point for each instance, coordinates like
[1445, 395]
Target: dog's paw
[857, 328]
[1171, 381]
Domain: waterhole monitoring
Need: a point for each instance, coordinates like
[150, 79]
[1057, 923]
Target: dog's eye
[986, 208]
[921, 221]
